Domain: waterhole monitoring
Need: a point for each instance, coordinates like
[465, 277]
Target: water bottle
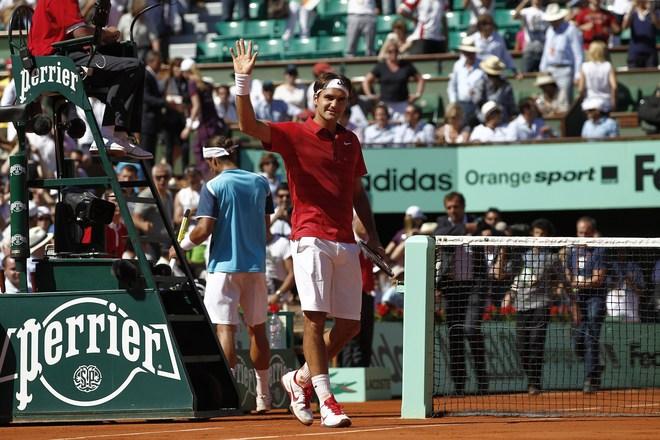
[275, 332]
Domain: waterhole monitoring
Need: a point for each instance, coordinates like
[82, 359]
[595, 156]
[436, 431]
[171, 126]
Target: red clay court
[372, 420]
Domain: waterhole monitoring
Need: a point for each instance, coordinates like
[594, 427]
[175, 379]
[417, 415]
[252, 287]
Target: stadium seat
[271, 49]
[331, 46]
[504, 19]
[230, 30]
[211, 52]
[329, 26]
[258, 10]
[429, 105]
[384, 23]
[455, 39]
[330, 8]
[301, 48]
[457, 5]
[455, 21]
[263, 28]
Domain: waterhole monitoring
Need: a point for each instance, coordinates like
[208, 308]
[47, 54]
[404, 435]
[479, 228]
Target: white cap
[592, 104]
[489, 107]
[415, 212]
[187, 64]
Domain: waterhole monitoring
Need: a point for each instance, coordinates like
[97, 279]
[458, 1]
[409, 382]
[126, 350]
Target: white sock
[262, 388]
[322, 387]
[303, 375]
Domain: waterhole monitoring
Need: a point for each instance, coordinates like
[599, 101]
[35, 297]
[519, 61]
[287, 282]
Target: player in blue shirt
[234, 209]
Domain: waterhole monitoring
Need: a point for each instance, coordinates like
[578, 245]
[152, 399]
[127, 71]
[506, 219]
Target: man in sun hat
[324, 166]
[562, 53]
[598, 124]
[550, 102]
[497, 87]
[466, 81]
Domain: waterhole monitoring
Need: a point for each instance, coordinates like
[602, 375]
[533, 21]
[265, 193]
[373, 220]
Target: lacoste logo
[92, 329]
[341, 388]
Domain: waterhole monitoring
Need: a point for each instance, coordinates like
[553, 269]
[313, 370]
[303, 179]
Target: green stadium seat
[504, 19]
[455, 21]
[270, 49]
[301, 48]
[429, 105]
[329, 26]
[455, 39]
[229, 30]
[262, 28]
[258, 10]
[384, 23]
[625, 36]
[457, 5]
[212, 52]
[328, 8]
[331, 46]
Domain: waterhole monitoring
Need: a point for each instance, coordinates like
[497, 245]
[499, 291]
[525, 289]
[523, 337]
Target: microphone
[74, 126]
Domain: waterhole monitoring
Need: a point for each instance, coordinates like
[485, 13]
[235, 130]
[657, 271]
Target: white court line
[340, 432]
[343, 431]
[132, 434]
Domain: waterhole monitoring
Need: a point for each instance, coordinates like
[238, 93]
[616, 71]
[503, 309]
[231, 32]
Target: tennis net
[533, 326]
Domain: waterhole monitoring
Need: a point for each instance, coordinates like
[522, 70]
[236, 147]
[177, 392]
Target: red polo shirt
[321, 170]
[602, 25]
[52, 20]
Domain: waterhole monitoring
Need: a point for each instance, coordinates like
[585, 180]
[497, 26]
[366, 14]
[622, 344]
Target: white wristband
[187, 244]
[243, 83]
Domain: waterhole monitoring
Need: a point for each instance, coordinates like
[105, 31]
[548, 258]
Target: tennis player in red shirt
[324, 166]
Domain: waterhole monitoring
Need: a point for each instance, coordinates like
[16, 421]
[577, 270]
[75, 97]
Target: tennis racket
[185, 221]
[375, 258]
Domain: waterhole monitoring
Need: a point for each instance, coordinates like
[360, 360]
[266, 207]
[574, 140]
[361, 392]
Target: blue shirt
[493, 45]
[604, 127]
[276, 111]
[237, 200]
[563, 47]
[465, 83]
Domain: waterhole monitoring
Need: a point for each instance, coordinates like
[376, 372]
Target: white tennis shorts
[328, 276]
[226, 291]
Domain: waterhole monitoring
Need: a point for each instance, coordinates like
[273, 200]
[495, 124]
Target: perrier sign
[101, 352]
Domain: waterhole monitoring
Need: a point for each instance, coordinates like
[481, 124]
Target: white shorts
[226, 291]
[328, 276]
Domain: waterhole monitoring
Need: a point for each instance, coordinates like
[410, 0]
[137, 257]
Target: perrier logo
[47, 74]
[85, 353]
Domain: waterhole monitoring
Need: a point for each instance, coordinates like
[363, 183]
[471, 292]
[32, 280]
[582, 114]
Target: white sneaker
[300, 398]
[264, 403]
[332, 414]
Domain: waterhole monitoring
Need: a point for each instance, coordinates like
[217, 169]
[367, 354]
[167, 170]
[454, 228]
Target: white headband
[211, 152]
[335, 83]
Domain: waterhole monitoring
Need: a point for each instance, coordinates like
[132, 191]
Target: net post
[417, 402]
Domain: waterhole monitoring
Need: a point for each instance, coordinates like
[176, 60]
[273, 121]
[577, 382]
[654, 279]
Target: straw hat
[544, 79]
[467, 45]
[489, 107]
[492, 65]
[554, 12]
